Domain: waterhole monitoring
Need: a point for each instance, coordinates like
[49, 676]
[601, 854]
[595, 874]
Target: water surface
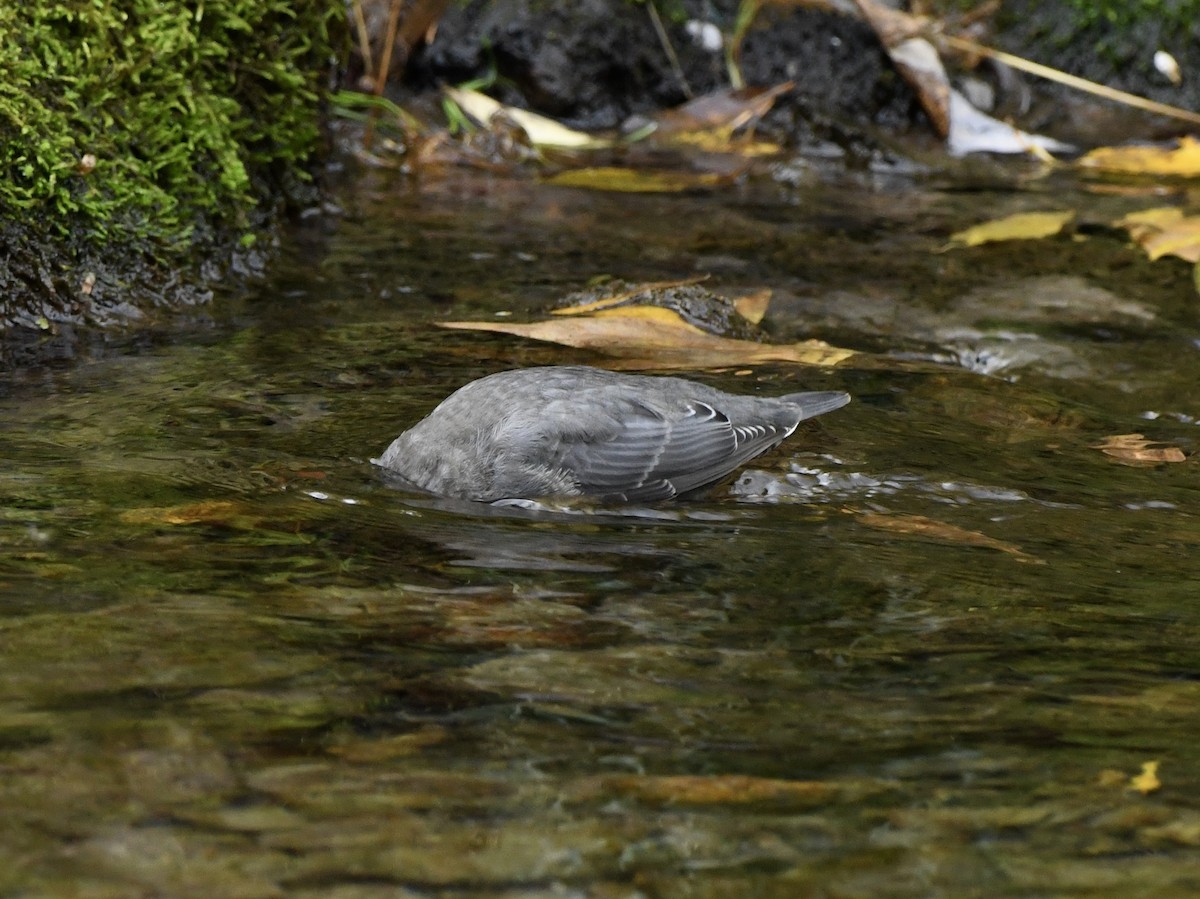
[923, 648]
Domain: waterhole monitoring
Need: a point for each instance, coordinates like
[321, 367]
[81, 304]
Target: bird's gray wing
[652, 456]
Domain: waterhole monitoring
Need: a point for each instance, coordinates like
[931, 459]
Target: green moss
[189, 109]
[1121, 15]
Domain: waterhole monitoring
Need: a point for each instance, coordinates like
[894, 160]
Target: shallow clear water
[921, 649]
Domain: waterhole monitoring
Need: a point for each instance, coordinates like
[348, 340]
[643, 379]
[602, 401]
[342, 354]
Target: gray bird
[578, 431]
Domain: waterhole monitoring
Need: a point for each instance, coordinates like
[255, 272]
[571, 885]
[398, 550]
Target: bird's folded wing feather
[654, 457]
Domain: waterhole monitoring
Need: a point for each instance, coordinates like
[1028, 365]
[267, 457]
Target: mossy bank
[144, 139]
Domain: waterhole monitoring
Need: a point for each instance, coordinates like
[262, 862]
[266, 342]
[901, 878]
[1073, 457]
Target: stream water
[939, 643]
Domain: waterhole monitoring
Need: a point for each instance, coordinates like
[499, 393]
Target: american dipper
[579, 431]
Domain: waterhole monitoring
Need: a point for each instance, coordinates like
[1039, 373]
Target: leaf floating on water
[1136, 450]
[929, 528]
[661, 338]
[1146, 782]
[1182, 160]
[1022, 226]
[637, 181]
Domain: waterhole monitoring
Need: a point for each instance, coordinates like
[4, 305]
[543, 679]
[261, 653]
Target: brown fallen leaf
[1022, 226]
[1182, 160]
[1137, 451]
[652, 337]
[722, 111]
[929, 528]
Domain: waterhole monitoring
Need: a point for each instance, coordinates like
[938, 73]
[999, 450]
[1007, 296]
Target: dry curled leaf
[653, 337]
[1136, 450]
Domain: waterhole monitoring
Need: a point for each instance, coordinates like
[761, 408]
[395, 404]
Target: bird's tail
[817, 402]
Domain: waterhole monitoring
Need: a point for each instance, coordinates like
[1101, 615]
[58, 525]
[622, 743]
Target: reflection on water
[923, 648]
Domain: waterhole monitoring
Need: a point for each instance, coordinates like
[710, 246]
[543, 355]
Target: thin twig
[364, 38]
[384, 64]
[1074, 81]
[670, 51]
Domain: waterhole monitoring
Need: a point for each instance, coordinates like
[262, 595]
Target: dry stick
[1074, 81]
[364, 39]
[384, 65]
[666, 44]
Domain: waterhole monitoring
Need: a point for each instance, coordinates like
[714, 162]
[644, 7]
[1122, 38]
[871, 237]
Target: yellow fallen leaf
[1022, 226]
[1182, 160]
[653, 337]
[1146, 782]
[622, 180]
[929, 528]
[1136, 450]
[1180, 239]
[1145, 222]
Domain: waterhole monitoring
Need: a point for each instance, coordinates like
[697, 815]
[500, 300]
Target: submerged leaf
[716, 789]
[660, 338]
[623, 180]
[1136, 450]
[1022, 226]
[211, 512]
[920, 526]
